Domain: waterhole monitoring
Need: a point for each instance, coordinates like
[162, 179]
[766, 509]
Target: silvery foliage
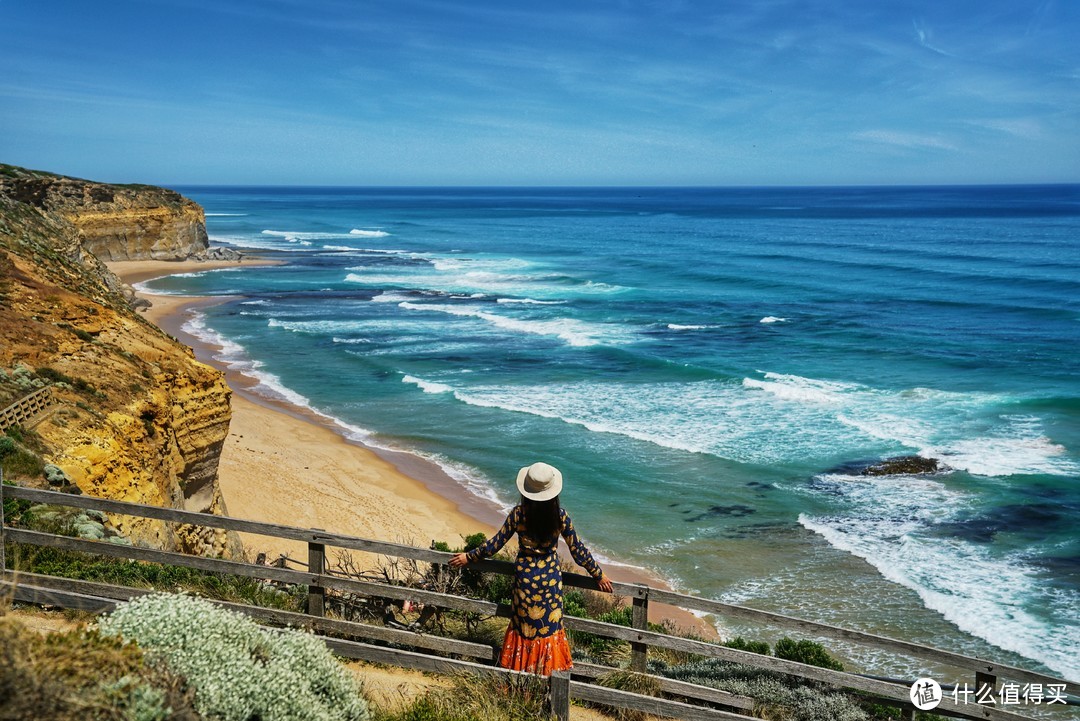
[804, 701]
[238, 669]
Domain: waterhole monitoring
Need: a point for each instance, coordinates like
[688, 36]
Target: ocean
[709, 367]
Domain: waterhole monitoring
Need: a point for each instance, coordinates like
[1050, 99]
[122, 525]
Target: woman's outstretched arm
[492, 545]
[582, 555]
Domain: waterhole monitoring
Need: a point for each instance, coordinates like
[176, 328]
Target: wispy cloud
[1029, 128]
[924, 36]
[899, 139]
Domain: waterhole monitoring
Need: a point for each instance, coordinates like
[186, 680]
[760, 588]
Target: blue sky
[472, 92]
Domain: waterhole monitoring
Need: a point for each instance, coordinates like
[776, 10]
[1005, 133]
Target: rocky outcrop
[138, 418]
[904, 465]
[114, 222]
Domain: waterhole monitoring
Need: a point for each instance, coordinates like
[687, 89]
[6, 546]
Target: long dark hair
[542, 518]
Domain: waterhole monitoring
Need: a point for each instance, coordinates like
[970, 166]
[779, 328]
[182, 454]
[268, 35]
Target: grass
[139, 574]
[80, 674]
[477, 698]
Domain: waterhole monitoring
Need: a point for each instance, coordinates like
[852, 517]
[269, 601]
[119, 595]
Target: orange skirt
[537, 655]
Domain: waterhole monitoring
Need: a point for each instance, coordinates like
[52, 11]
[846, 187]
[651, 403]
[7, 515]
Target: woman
[535, 641]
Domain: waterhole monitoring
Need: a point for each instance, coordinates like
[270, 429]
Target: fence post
[3, 523]
[983, 680]
[639, 619]
[559, 695]
[316, 600]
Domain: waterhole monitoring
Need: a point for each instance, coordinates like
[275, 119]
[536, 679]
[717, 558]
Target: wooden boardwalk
[432, 652]
[23, 411]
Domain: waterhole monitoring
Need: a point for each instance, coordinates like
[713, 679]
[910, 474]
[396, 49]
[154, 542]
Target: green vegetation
[477, 698]
[80, 675]
[807, 652]
[83, 386]
[137, 574]
[239, 670]
[20, 454]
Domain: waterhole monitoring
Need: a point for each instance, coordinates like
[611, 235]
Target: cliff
[114, 222]
[137, 417]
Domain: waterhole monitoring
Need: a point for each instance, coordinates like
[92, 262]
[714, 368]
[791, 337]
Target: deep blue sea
[707, 366]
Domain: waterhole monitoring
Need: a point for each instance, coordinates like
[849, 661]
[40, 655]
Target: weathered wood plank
[286, 618]
[306, 535]
[676, 688]
[824, 630]
[282, 575]
[484, 607]
[63, 599]
[841, 679]
[559, 695]
[648, 704]
[410, 659]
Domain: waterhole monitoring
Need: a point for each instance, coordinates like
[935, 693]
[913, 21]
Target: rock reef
[137, 417]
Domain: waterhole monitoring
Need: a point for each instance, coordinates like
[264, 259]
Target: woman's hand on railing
[459, 560]
[605, 584]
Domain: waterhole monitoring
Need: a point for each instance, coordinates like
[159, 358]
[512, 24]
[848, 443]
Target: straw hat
[540, 482]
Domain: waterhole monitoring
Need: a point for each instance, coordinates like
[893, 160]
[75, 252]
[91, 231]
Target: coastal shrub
[80, 674]
[741, 644]
[239, 670]
[808, 652]
[19, 462]
[777, 696]
[83, 386]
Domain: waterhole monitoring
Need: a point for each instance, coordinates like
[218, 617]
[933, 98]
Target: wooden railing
[26, 408]
[98, 597]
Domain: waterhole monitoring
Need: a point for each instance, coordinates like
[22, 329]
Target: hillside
[136, 418]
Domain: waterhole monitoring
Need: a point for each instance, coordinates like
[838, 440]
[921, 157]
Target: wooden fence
[699, 702]
[24, 409]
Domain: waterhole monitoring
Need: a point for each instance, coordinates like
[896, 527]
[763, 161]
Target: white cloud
[900, 139]
[1019, 127]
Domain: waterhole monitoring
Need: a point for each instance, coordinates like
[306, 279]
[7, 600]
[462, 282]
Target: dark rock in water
[904, 465]
[217, 253]
[733, 511]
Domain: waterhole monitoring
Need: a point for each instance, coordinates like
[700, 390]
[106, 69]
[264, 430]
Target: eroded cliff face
[138, 418]
[114, 222]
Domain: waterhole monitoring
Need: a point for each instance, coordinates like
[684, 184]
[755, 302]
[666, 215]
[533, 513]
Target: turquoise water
[707, 366]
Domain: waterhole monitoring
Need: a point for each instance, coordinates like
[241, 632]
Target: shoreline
[340, 485]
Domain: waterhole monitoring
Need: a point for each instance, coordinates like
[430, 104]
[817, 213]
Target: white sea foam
[772, 319]
[364, 251]
[797, 388]
[530, 301]
[515, 279]
[793, 420]
[259, 301]
[1017, 447]
[678, 326]
[390, 297]
[427, 386]
[886, 522]
[303, 235]
[229, 351]
[321, 327]
[268, 385]
[368, 233]
[144, 287]
[573, 332]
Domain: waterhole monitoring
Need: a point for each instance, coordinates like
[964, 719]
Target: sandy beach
[280, 465]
